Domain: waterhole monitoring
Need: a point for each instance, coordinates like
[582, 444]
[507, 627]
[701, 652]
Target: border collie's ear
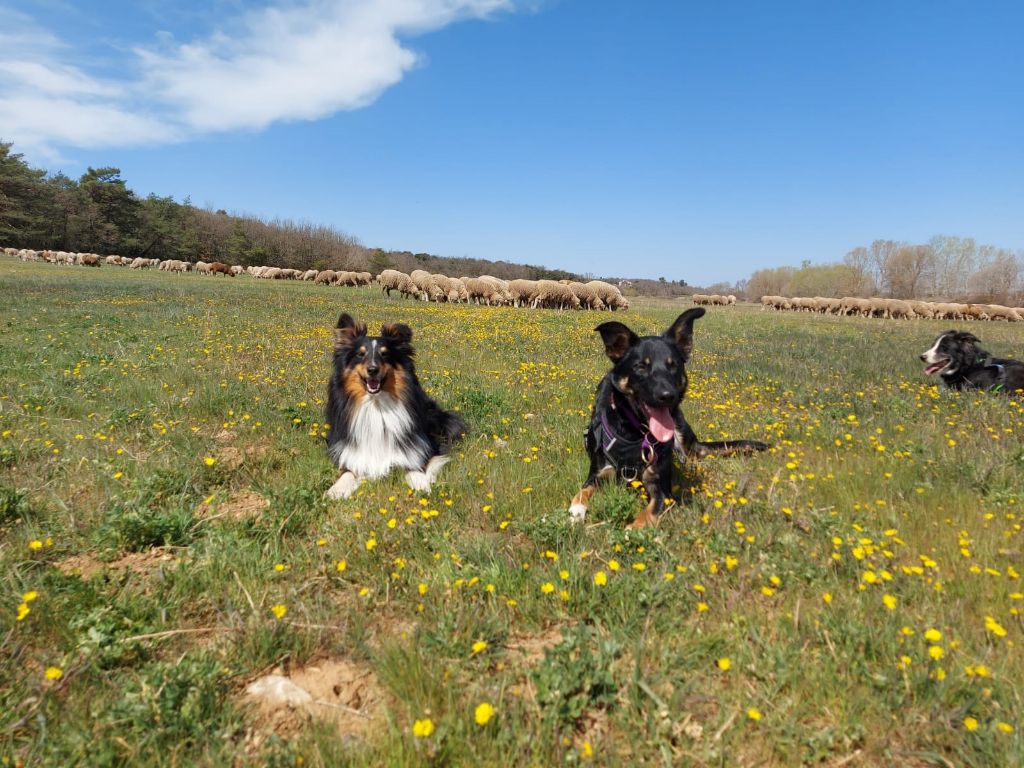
[681, 332]
[967, 337]
[347, 330]
[397, 335]
[617, 339]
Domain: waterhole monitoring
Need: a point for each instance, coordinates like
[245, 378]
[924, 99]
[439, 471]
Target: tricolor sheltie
[378, 415]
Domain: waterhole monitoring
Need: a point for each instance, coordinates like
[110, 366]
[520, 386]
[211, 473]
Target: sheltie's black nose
[372, 370]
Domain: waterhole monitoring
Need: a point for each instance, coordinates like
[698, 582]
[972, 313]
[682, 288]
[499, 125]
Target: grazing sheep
[175, 265]
[775, 303]
[203, 268]
[999, 312]
[479, 290]
[421, 279]
[523, 292]
[237, 270]
[444, 285]
[588, 297]
[610, 295]
[555, 295]
[922, 309]
[220, 268]
[499, 295]
[325, 277]
[853, 305]
[393, 280]
[897, 309]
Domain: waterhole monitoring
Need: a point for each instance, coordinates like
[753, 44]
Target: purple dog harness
[621, 451]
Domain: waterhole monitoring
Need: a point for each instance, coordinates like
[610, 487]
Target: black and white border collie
[962, 364]
[378, 415]
[636, 424]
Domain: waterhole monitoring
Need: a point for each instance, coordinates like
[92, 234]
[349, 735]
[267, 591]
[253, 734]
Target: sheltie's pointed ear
[347, 330]
[681, 331]
[397, 333]
[617, 339]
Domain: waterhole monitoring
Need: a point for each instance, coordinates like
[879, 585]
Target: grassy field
[850, 598]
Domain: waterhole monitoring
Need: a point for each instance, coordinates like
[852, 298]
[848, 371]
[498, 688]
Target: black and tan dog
[379, 418]
[636, 423]
[962, 364]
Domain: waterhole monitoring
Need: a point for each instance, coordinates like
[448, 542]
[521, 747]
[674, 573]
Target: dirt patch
[245, 505]
[87, 566]
[229, 457]
[344, 693]
[142, 562]
[528, 649]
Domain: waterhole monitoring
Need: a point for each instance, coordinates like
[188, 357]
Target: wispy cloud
[288, 61]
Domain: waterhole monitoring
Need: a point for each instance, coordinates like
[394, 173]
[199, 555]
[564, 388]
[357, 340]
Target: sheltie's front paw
[344, 488]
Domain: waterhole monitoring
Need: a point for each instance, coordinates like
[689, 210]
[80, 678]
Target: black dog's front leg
[657, 480]
[597, 475]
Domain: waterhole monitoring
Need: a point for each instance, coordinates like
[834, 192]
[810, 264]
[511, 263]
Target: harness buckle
[629, 474]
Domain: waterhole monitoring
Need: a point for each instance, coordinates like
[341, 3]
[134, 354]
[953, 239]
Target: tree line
[945, 268]
[99, 213]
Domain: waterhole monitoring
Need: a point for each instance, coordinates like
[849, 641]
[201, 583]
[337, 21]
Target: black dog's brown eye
[670, 364]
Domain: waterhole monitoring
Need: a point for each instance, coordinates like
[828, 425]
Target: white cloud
[289, 61]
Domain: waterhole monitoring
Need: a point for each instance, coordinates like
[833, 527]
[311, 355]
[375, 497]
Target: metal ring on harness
[629, 474]
[647, 452]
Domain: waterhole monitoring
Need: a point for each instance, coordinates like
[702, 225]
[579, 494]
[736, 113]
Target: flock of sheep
[549, 294]
[714, 300]
[492, 291]
[894, 308]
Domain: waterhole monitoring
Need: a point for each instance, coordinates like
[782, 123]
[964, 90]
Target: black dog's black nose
[664, 396]
[922, 357]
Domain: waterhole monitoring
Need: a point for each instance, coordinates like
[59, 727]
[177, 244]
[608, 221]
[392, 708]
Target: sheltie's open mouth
[372, 384]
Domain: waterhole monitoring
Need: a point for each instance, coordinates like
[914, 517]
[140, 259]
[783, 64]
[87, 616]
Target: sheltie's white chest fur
[381, 436]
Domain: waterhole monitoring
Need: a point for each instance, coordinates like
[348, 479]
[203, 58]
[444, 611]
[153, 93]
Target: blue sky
[689, 140]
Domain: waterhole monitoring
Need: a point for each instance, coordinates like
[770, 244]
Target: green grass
[138, 411]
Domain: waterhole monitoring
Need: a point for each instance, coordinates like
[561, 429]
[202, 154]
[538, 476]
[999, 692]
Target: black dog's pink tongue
[659, 422]
[933, 368]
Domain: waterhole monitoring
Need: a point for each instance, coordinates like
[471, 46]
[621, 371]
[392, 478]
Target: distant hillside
[99, 213]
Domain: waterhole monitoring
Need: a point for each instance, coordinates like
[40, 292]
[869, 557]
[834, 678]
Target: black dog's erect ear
[681, 332]
[347, 329]
[617, 339]
[398, 335]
